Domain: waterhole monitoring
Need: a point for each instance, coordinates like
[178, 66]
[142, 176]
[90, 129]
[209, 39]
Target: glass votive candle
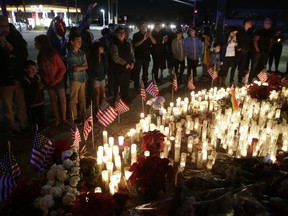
[183, 160]
[120, 140]
[147, 153]
[98, 190]
[209, 163]
[111, 141]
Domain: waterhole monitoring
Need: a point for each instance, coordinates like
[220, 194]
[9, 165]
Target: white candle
[132, 134]
[133, 153]
[105, 179]
[109, 167]
[127, 173]
[183, 160]
[115, 150]
[118, 162]
[120, 140]
[142, 115]
[147, 153]
[111, 141]
[98, 190]
[105, 136]
[176, 153]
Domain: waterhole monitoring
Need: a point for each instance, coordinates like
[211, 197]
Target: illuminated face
[267, 24]
[143, 27]
[31, 70]
[77, 42]
[121, 34]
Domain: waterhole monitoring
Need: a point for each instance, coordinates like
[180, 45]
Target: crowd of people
[84, 65]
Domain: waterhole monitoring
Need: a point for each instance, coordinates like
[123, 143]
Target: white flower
[62, 175]
[75, 171]
[56, 192]
[68, 199]
[74, 181]
[51, 182]
[45, 189]
[51, 174]
[67, 164]
[44, 203]
[72, 190]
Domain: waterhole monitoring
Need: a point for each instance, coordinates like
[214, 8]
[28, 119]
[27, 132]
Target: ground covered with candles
[208, 152]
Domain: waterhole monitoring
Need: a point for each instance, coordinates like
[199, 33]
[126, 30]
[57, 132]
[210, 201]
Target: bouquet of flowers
[153, 141]
[156, 104]
[274, 82]
[149, 176]
[99, 204]
[260, 92]
[60, 192]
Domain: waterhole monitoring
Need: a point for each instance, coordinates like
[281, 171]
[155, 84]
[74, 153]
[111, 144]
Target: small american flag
[42, 150]
[120, 106]
[9, 171]
[175, 84]
[262, 76]
[106, 114]
[152, 89]
[213, 73]
[88, 124]
[143, 92]
[75, 134]
[191, 84]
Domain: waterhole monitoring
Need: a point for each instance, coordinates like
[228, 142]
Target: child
[97, 70]
[77, 66]
[34, 94]
[215, 60]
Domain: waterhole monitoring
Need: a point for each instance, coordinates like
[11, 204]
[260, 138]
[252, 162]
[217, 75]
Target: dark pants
[110, 77]
[229, 62]
[144, 64]
[275, 54]
[192, 65]
[182, 67]
[121, 82]
[259, 62]
[242, 59]
[158, 63]
[37, 115]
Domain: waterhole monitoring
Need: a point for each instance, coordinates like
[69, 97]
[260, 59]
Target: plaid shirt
[78, 59]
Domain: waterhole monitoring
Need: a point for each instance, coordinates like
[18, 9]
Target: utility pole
[221, 8]
[116, 13]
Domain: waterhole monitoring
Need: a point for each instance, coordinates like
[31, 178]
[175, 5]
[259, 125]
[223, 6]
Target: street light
[103, 12]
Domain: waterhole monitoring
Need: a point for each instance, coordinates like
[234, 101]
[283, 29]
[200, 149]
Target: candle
[105, 179]
[127, 173]
[132, 134]
[99, 163]
[109, 167]
[199, 160]
[176, 153]
[133, 153]
[115, 150]
[98, 190]
[189, 147]
[105, 136]
[120, 140]
[209, 163]
[147, 153]
[112, 188]
[142, 115]
[183, 160]
[111, 141]
[118, 175]
[118, 162]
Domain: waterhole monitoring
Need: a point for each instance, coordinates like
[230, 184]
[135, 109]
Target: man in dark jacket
[13, 54]
[122, 55]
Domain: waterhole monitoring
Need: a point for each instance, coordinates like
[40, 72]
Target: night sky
[161, 10]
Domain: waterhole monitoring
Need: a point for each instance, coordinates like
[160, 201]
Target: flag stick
[119, 118]
[172, 95]
[142, 86]
[212, 82]
[9, 152]
[142, 105]
[92, 126]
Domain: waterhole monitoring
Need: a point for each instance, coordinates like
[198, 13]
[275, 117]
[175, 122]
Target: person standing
[77, 66]
[262, 43]
[244, 41]
[179, 55]
[52, 71]
[13, 54]
[193, 48]
[34, 94]
[142, 41]
[158, 52]
[123, 59]
[228, 56]
[276, 49]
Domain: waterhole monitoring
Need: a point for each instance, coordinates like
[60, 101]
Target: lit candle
[118, 162]
[115, 150]
[133, 153]
[132, 134]
[142, 115]
[183, 160]
[120, 140]
[176, 153]
[105, 179]
[98, 190]
[209, 163]
[109, 167]
[127, 173]
[99, 164]
[111, 141]
[105, 136]
[147, 153]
